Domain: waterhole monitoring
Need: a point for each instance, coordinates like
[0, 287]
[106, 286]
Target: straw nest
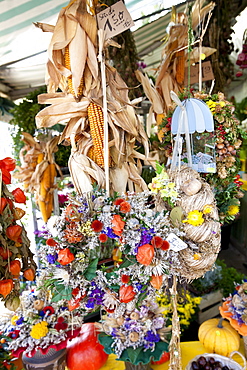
[204, 240]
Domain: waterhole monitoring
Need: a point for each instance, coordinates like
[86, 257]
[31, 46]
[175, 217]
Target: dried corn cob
[96, 123]
[180, 67]
[70, 84]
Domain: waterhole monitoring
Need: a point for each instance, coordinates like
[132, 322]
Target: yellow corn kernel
[96, 123]
[69, 79]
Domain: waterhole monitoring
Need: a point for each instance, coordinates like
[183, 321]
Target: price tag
[176, 244]
[114, 19]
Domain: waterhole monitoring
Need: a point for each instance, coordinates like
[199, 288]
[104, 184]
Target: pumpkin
[85, 352]
[6, 287]
[29, 274]
[218, 336]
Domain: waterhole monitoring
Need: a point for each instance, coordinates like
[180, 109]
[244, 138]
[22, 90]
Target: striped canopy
[199, 117]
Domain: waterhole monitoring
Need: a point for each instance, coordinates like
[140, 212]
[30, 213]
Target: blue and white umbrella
[191, 115]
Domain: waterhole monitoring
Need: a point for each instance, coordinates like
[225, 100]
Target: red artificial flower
[65, 256]
[103, 238]
[157, 241]
[125, 279]
[19, 195]
[118, 201]
[145, 254]
[13, 232]
[126, 293]
[61, 325]
[51, 242]
[75, 291]
[125, 207]
[165, 246]
[3, 203]
[49, 310]
[97, 226]
[118, 225]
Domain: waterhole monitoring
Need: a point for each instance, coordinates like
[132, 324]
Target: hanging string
[200, 49]
[101, 34]
[190, 43]
[174, 346]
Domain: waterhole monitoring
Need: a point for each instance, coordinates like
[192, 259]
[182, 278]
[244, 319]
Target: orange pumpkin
[19, 195]
[29, 274]
[145, 254]
[156, 281]
[65, 256]
[15, 267]
[3, 203]
[126, 293]
[5, 253]
[13, 232]
[6, 287]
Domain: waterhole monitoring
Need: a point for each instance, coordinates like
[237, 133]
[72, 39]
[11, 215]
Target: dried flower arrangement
[39, 324]
[228, 139]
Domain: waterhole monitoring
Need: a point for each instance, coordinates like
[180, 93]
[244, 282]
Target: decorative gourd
[218, 336]
[191, 187]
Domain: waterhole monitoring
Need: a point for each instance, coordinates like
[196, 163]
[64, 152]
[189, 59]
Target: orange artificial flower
[126, 293]
[125, 207]
[156, 281]
[65, 256]
[51, 242]
[157, 241]
[118, 201]
[145, 254]
[13, 232]
[19, 195]
[118, 225]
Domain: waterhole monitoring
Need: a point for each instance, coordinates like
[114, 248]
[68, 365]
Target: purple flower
[51, 258]
[110, 233]
[19, 321]
[158, 322]
[146, 236]
[62, 198]
[90, 303]
[138, 286]
[152, 337]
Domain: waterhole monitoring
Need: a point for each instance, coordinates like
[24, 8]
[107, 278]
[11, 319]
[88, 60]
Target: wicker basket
[245, 345]
[226, 361]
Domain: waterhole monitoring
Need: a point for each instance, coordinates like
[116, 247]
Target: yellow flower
[194, 218]
[86, 229]
[171, 185]
[232, 210]
[202, 56]
[222, 103]
[14, 319]
[39, 330]
[207, 208]
[196, 256]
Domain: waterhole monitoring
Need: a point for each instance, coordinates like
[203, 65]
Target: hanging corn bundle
[73, 66]
[38, 171]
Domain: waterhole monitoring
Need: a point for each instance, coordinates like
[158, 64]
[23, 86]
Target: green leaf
[159, 168]
[176, 216]
[106, 342]
[90, 271]
[128, 262]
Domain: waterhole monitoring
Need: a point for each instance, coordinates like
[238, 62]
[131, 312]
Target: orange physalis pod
[126, 293]
[3, 203]
[18, 213]
[29, 274]
[15, 267]
[19, 195]
[156, 281]
[6, 287]
[13, 232]
[145, 254]
[65, 256]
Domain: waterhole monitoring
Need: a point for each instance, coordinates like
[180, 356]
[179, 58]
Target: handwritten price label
[115, 19]
[176, 244]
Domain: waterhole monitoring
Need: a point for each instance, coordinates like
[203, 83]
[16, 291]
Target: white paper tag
[176, 244]
[115, 19]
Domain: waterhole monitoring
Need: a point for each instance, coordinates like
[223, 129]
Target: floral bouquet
[228, 138]
[39, 325]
